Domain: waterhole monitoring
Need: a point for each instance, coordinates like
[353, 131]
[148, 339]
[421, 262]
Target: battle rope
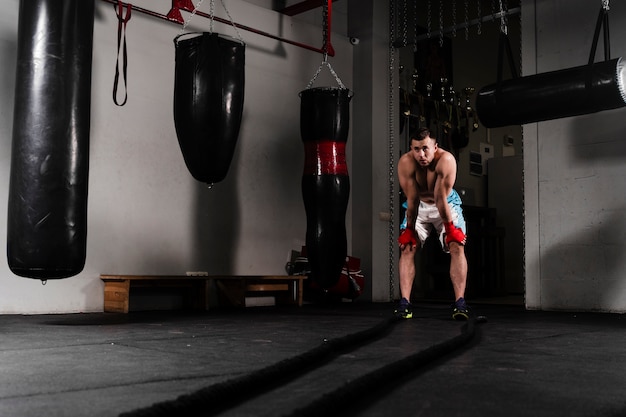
[346, 398]
[221, 396]
[224, 395]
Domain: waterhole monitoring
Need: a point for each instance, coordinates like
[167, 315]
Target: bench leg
[116, 296]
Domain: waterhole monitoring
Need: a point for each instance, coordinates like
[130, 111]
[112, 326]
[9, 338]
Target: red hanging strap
[122, 20]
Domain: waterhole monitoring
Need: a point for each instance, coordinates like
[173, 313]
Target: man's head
[423, 147]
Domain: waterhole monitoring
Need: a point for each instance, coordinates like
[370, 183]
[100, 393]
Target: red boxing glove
[407, 237]
[454, 234]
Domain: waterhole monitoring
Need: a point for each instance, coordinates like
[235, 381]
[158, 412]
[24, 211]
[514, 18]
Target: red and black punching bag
[208, 102]
[47, 212]
[324, 124]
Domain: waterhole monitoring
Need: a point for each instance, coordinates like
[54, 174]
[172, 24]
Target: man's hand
[454, 234]
[407, 237]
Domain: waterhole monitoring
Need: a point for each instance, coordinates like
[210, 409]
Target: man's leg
[407, 276]
[407, 271]
[458, 276]
[458, 269]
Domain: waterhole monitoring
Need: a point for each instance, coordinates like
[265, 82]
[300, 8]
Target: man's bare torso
[426, 178]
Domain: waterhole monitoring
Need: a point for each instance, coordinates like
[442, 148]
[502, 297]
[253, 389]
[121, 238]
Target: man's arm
[408, 183]
[446, 176]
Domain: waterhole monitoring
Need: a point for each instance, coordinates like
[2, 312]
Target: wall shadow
[217, 220]
[584, 262]
[599, 138]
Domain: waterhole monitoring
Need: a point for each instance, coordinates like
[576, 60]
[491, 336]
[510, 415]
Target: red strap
[121, 34]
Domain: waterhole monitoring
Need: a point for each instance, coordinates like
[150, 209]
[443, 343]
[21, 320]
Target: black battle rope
[221, 396]
[351, 394]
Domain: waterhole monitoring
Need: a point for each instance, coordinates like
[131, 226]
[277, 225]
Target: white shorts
[428, 219]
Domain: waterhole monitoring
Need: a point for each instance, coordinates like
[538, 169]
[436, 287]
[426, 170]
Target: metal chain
[414, 26]
[466, 20]
[480, 18]
[325, 26]
[232, 22]
[429, 14]
[193, 13]
[391, 145]
[503, 22]
[325, 60]
[212, 15]
[332, 71]
[605, 5]
[441, 23]
[212, 18]
[405, 19]
[454, 18]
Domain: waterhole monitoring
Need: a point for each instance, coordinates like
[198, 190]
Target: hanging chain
[480, 18]
[466, 20]
[414, 26]
[193, 13]
[503, 22]
[325, 27]
[429, 14]
[405, 19]
[232, 22]
[332, 71]
[212, 15]
[441, 23]
[391, 146]
[454, 18]
[212, 18]
[325, 60]
[605, 5]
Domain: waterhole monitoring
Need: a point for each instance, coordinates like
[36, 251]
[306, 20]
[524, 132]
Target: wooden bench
[287, 289]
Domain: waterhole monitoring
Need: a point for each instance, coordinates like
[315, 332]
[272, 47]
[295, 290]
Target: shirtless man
[427, 174]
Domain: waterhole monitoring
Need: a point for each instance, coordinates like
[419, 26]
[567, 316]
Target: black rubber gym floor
[323, 360]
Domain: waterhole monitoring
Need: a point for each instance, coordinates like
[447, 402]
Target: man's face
[424, 150]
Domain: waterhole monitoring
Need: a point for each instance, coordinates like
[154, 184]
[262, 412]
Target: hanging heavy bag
[208, 102]
[552, 95]
[324, 124]
[47, 211]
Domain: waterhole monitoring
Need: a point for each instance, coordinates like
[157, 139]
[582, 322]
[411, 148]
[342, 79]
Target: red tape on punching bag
[208, 102]
[47, 212]
[324, 123]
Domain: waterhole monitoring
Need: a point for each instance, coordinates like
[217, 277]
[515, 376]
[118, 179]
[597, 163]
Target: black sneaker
[460, 310]
[404, 310]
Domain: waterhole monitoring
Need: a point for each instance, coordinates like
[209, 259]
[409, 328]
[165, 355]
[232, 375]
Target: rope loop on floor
[221, 396]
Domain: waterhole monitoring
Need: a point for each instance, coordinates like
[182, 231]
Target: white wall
[147, 215]
[575, 172]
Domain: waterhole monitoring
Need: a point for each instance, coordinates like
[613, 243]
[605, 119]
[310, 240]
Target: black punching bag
[208, 102]
[324, 123]
[552, 95]
[47, 213]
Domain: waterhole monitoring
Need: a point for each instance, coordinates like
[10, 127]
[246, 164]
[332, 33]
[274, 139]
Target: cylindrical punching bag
[324, 123]
[552, 95]
[47, 213]
[208, 102]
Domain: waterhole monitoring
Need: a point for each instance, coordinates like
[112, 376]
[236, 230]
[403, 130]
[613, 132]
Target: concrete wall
[575, 172]
[147, 215]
